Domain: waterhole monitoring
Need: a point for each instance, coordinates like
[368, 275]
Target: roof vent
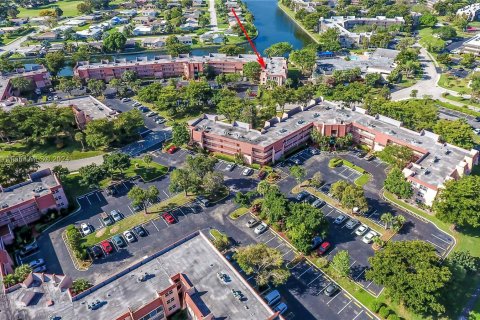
[436, 159]
[427, 172]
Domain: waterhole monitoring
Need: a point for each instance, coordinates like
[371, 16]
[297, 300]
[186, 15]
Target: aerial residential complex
[349, 38]
[190, 67]
[436, 161]
[190, 274]
[39, 75]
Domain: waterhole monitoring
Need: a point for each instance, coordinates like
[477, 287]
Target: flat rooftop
[195, 258]
[329, 113]
[88, 104]
[27, 190]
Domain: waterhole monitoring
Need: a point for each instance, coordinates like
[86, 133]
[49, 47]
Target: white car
[369, 236]
[129, 236]
[86, 229]
[36, 263]
[262, 227]
[476, 131]
[247, 172]
[361, 230]
[116, 215]
[230, 167]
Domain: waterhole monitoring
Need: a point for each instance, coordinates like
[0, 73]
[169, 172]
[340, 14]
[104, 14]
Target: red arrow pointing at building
[259, 57]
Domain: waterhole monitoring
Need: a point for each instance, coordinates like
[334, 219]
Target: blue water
[273, 26]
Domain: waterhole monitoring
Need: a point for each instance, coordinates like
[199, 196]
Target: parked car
[314, 151]
[310, 199]
[361, 154]
[119, 241]
[301, 195]
[86, 228]
[281, 307]
[140, 231]
[172, 149]
[151, 114]
[331, 289]
[160, 121]
[125, 99]
[106, 219]
[316, 242]
[111, 190]
[252, 223]
[297, 161]
[204, 202]
[323, 248]
[116, 215]
[351, 223]
[129, 236]
[36, 263]
[262, 227]
[230, 167]
[97, 252]
[106, 246]
[247, 172]
[40, 269]
[339, 219]
[369, 157]
[169, 218]
[368, 238]
[318, 203]
[361, 230]
[326, 188]
[29, 248]
[262, 174]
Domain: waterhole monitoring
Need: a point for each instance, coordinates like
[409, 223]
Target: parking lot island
[189, 274]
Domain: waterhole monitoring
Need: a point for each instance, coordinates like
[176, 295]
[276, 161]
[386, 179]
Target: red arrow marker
[259, 57]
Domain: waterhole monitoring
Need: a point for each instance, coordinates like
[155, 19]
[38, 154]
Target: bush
[384, 312]
[322, 262]
[335, 162]
[393, 316]
[376, 305]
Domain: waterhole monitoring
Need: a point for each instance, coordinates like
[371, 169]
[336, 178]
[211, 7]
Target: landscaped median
[360, 181]
[136, 219]
[238, 213]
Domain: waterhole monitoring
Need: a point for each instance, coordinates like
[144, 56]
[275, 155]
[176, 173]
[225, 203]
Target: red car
[172, 149]
[107, 247]
[323, 248]
[169, 218]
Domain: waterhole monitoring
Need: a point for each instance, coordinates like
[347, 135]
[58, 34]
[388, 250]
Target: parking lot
[307, 282]
[347, 173]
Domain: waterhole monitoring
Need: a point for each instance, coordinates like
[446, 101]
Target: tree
[446, 32]
[180, 133]
[80, 285]
[354, 197]
[60, 171]
[142, 197]
[55, 61]
[84, 8]
[58, 12]
[316, 180]
[397, 184]
[264, 187]
[330, 40]
[96, 87]
[279, 49]
[465, 260]
[341, 263]
[468, 59]
[13, 171]
[264, 262]
[458, 203]
[212, 182]
[22, 84]
[274, 206]
[298, 172]
[457, 132]
[80, 137]
[200, 164]
[444, 58]
[174, 47]
[115, 42]
[387, 219]
[91, 175]
[126, 125]
[398, 222]
[252, 71]
[229, 105]
[67, 85]
[305, 59]
[396, 155]
[116, 161]
[411, 273]
[303, 223]
[147, 159]
[184, 180]
[221, 241]
[99, 133]
[231, 50]
[338, 188]
[428, 19]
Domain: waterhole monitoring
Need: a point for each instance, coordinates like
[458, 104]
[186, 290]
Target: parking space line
[353, 263]
[155, 225]
[441, 239]
[130, 209]
[304, 272]
[295, 265]
[98, 196]
[361, 311]
[333, 298]
[88, 200]
[359, 275]
[436, 245]
[344, 307]
[287, 253]
[180, 208]
[270, 239]
[165, 193]
[369, 284]
[314, 279]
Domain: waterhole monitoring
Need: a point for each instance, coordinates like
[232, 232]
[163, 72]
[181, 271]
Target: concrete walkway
[72, 165]
[213, 15]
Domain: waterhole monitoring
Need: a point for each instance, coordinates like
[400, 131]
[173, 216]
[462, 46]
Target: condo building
[189, 67]
[188, 275]
[39, 76]
[435, 161]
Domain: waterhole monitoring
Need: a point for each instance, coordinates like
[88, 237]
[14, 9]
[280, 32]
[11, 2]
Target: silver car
[262, 227]
[361, 230]
[252, 223]
[117, 216]
[351, 223]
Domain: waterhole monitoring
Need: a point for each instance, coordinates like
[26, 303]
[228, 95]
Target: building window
[156, 314]
[172, 307]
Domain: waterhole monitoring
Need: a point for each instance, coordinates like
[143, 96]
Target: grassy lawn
[463, 109]
[136, 219]
[405, 83]
[466, 102]
[362, 180]
[215, 233]
[69, 8]
[427, 39]
[354, 167]
[48, 152]
[238, 213]
[73, 188]
[138, 168]
[454, 83]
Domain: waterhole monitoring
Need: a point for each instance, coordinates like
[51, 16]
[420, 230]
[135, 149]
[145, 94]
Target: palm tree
[378, 242]
[398, 222]
[387, 218]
